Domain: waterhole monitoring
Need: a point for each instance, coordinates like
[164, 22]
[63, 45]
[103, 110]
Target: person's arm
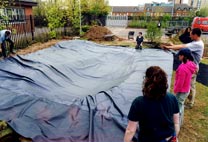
[130, 131]
[175, 47]
[176, 123]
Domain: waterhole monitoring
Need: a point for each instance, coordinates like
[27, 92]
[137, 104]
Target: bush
[153, 33]
[85, 28]
[138, 24]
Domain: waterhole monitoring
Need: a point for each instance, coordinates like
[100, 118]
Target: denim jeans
[181, 97]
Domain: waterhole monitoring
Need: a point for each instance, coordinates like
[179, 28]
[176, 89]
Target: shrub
[153, 33]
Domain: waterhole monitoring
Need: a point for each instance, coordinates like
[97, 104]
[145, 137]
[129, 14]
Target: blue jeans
[181, 97]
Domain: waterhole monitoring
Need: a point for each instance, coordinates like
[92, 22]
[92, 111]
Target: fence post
[32, 27]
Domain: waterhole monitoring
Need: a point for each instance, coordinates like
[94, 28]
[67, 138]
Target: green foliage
[166, 17]
[153, 33]
[85, 28]
[6, 3]
[54, 15]
[203, 12]
[138, 24]
[95, 7]
[40, 9]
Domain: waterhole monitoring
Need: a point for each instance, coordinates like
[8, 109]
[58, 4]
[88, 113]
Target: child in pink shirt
[183, 78]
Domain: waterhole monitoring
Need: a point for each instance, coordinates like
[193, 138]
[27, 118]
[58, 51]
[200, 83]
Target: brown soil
[97, 33]
[37, 46]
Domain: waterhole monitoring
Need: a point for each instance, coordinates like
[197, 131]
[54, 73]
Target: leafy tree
[166, 17]
[203, 12]
[54, 16]
[153, 33]
[4, 18]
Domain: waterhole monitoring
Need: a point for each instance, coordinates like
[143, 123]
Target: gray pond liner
[75, 91]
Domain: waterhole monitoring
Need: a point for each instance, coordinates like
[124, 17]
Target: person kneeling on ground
[5, 35]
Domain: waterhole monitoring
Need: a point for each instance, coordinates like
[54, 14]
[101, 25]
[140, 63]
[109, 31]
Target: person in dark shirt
[156, 112]
[185, 37]
[139, 40]
[5, 36]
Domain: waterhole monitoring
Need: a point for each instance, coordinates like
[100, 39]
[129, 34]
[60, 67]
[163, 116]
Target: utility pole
[80, 18]
[173, 9]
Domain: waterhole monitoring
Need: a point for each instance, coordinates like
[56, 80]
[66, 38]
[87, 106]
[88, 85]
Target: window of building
[13, 14]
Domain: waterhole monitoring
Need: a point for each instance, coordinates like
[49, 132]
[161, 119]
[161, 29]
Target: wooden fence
[25, 33]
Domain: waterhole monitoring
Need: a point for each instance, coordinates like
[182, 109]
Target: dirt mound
[97, 33]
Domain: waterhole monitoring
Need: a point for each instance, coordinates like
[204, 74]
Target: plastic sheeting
[75, 91]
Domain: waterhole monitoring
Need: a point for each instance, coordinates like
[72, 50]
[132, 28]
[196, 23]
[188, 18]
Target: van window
[204, 22]
[198, 22]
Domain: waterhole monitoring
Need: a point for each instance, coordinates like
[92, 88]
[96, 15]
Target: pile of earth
[97, 33]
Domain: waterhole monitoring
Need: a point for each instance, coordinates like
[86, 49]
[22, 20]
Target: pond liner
[75, 91]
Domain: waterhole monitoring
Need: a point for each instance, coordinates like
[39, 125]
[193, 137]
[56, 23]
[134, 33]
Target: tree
[153, 33]
[54, 14]
[203, 12]
[4, 18]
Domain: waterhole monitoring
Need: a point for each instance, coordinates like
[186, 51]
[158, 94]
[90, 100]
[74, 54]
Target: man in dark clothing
[5, 35]
[139, 41]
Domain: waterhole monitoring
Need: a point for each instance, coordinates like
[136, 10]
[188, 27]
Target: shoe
[188, 106]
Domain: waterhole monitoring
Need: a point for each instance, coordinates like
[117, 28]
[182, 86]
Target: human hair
[186, 58]
[140, 33]
[196, 31]
[187, 55]
[7, 33]
[155, 83]
[187, 30]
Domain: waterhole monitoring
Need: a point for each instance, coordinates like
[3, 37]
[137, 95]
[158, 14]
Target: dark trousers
[3, 47]
[138, 46]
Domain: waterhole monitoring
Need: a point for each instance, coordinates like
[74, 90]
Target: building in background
[198, 3]
[19, 15]
[176, 1]
[127, 10]
[17, 10]
[160, 9]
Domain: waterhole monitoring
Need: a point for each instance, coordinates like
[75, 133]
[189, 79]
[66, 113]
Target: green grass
[195, 127]
[204, 61]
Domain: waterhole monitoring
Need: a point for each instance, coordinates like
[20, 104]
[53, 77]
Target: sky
[134, 2]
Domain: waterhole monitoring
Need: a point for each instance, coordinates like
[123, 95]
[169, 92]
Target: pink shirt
[183, 77]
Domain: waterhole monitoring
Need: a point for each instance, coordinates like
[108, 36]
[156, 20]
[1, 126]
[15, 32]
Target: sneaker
[188, 106]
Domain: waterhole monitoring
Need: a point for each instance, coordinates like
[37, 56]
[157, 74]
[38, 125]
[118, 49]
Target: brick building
[19, 15]
[126, 10]
[160, 9]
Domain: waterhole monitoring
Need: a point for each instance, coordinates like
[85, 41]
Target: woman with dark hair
[185, 37]
[156, 112]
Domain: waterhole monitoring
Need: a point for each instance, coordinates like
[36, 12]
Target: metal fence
[117, 21]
